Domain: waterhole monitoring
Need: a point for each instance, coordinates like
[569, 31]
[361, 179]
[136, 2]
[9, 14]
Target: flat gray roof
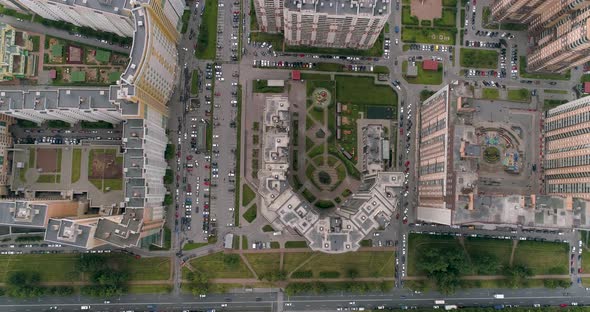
[56, 98]
[110, 6]
[139, 44]
[85, 98]
[123, 234]
[68, 232]
[133, 162]
[133, 133]
[11, 99]
[22, 213]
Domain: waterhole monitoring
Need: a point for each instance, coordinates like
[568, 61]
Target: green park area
[444, 260]
[413, 34]
[549, 103]
[519, 95]
[490, 93]
[330, 159]
[479, 58]
[186, 15]
[427, 77]
[533, 75]
[207, 38]
[114, 271]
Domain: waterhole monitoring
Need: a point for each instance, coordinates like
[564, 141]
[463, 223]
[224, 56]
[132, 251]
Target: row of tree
[26, 284]
[107, 280]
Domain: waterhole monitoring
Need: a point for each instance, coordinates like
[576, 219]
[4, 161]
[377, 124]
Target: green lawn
[427, 77]
[407, 17]
[191, 246]
[195, 83]
[248, 195]
[362, 90]
[448, 18]
[428, 35]
[146, 269]
[586, 262]
[519, 95]
[498, 247]
[491, 93]
[291, 260]
[215, 267]
[207, 39]
[186, 15]
[261, 86]
[48, 178]
[149, 289]
[543, 257]
[367, 263]
[330, 67]
[296, 244]
[556, 91]
[550, 76]
[250, 214]
[264, 263]
[479, 58]
[113, 184]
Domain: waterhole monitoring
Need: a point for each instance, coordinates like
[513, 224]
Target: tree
[352, 273]
[231, 260]
[198, 283]
[444, 267]
[170, 151]
[90, 262]
[273, 276]
[517, 275]
[485, 264]
[169, 177]
[168, 200]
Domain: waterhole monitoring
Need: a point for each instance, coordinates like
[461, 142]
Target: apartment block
[15, 58]
[5, 144]
[105, 15]
[69, 104]
[140, 100]
[520, 11]
[337, 24]
[558, 31]
[269, 14]
[567, 149]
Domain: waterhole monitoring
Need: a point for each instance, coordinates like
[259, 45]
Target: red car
[563, 305]
[206, 183]
[189, 157]
[217, 93]
[407, 164]
[401, 131]
[405, 221]
[397, 216]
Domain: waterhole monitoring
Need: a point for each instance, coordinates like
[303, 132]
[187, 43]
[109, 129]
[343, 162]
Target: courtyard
[95, 170]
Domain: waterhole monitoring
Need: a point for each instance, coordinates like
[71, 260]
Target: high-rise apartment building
[340, 24]
[5, 144]
[330, 23]
[106, 15]
[269, 14]
[140, 99]
[557, 29]
[567, 149]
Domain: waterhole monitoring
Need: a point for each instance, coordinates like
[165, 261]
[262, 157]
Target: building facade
[337, 24]
[558, 30]
[567, 149]
[269, 14]
[106, 15]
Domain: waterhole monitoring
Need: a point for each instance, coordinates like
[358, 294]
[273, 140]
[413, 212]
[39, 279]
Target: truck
[439, 301]
[449, 307]
[499, 296]
[396, 29]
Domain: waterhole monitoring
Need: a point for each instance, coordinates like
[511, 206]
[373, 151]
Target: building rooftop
[110, 6]
[64, 231]
[341, 7]
[140, 39]
[23, 213]
[122, 231]
[74, 97]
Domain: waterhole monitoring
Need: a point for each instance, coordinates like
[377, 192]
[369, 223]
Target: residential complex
[5, 144]
[557, 30]
[370, 208]
[476, 168]
[567, 149]
[127, 215]
[15, 57]
[337, 24]
[105, 15]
